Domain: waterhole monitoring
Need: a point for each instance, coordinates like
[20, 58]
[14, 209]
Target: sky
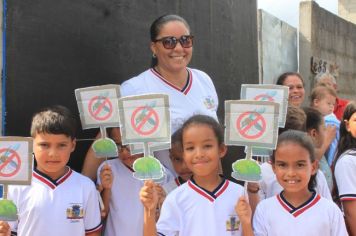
[288, 10]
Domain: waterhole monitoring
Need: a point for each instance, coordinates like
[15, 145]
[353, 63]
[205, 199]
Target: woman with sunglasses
[190, 91]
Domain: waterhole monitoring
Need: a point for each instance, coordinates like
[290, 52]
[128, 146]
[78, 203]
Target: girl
[345, 166]
[297, 210]
[204, 205]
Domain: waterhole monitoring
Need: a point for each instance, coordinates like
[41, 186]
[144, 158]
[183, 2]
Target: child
[204, 205]
[296, 120]
[298, 209]
[59, 201]
[323, 99]
[345, 166]
[120, 193]
[176, 156]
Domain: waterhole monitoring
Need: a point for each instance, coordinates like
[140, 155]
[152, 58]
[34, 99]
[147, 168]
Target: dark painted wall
[54, 47]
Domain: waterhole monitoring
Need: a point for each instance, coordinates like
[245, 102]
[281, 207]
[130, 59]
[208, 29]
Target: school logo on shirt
[232, 224]
[209, 103]
[75, 211]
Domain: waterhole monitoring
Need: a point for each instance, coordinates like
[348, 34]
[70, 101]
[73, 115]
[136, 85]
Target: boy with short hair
[323, 99]
[59, 201]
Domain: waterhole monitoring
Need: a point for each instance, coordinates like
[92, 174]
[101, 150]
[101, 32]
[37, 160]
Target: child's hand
[4, 228]
[106, 177]
[161, 194]
[148, 195]
[243, 210]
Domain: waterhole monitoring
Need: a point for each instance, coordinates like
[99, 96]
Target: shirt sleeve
[169, 221]
[322, 186]
[338, 223]
[92, 217]
[345, 175]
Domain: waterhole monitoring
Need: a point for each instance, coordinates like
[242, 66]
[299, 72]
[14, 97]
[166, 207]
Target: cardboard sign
[148, 168]
[138, 148]
[98, 106]
[16, 160]
[145, 118]
[251, 123]
[105, 147]
[246, 170]
[268, 92]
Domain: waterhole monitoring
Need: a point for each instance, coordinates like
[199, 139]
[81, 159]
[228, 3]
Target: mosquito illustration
[252, 117]
[144, 112]
[5, 157]
[101, 99]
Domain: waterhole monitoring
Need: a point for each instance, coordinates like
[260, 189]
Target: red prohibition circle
[95, 114]
[261, 97]
[13, 155]
[139, 127]
[244, 130]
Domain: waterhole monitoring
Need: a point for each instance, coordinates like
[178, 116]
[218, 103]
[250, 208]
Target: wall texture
[331, 39]
[54, 47]
[347, 10]
[277, 42]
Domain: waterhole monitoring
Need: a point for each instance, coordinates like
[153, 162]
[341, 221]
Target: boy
[323, 99]
[59, 201]
[176, 156]
[120, 193]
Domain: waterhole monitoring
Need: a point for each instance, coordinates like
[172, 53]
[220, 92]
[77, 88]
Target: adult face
[296, 90]
[176, 59]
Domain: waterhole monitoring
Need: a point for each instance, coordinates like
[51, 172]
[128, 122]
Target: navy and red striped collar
[296, 211]
[179, 181]
[186, 87]
[211, 196]
[50, 182]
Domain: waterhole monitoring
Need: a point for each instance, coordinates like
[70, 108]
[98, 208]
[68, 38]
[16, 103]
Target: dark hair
[205, 120]
[303, 140]
[177, 137]
[320, 92]
[54, 120]
[347, 141]
[314, 118]
[295, 119]
[283, 77]
[157, 25]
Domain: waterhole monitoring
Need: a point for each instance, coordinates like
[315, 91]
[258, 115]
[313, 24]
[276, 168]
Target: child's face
[293, 167]
[351, 125]
[124, 150]
[176, 156]
[52, 153]
[201, 151]
[325, 105]
[318, 136]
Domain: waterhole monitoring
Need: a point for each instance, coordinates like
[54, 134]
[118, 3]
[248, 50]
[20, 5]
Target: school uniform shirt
[67, 206]
[269, 185]
[198, 96]
[125, 208]
[173, 184]
[317, 216]
[192, 210]
[345, 175]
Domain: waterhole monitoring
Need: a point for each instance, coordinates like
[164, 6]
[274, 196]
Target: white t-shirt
[173, 184]
[126, 210]
[317, 216]
[269, 185]
[345, 175]
[191, 210]
[197, 97]
[67, 206]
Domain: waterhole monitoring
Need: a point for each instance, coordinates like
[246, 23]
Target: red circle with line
[263, 97]
[249, 130]
[99, 113]
[141, 126]
[6, 170]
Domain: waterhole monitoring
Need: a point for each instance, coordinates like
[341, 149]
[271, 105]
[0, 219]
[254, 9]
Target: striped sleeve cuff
[348, 197]
[96, 229]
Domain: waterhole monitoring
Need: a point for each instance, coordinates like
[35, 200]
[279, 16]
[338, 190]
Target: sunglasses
[170, 42]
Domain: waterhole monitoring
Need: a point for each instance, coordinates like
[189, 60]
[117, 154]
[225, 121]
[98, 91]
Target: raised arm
[149, 199]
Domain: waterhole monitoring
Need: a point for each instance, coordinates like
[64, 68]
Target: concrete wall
[347, 10]
[331, 39]
[277, 42]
